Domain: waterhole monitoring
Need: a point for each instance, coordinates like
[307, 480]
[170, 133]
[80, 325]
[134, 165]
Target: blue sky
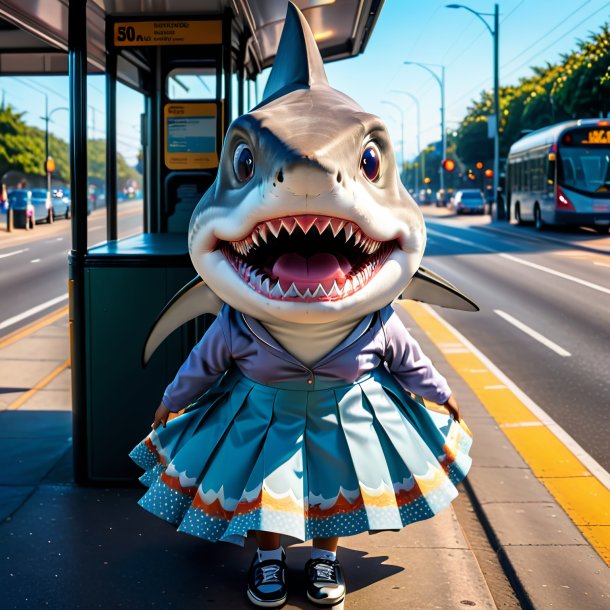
[532, 32]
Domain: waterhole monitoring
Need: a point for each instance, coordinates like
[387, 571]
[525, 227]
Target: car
[62, 202]
[43, 208]
[469, 201]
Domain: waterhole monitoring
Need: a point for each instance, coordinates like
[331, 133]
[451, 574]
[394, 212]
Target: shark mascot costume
[298, 418]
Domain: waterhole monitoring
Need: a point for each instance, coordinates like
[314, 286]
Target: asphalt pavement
[545, 313]
[34, 264]
[530, 528]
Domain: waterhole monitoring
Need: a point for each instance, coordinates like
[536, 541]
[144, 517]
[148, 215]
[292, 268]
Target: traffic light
[489, 173]
[479, 165]
[448, 165]
[50, 165]
[427, 180]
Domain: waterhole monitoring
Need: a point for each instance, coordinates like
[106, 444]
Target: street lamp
[495, 34]
[49, 163]
[418, 130]
[441, 83]
[402, 134]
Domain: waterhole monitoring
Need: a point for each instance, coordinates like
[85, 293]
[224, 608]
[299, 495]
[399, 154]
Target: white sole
[337, 604]
[263, 604]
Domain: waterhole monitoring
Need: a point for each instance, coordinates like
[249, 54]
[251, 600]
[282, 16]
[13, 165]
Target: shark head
[307, 220]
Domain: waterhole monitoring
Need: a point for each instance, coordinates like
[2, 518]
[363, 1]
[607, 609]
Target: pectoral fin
[428, 287]
[194, 299]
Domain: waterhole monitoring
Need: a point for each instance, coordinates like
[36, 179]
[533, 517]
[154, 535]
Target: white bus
[561, 175]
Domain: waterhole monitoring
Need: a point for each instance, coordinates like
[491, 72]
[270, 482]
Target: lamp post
[49, 164]
[495, 34]
[441, 83]
[416, 101]
[402, 134]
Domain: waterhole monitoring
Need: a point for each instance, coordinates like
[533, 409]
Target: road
[544, 319]
[34, 264]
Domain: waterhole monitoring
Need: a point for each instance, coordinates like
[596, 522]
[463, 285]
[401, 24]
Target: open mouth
[307, 258]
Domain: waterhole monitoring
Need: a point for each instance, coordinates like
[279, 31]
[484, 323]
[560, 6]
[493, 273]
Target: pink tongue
[306, 273]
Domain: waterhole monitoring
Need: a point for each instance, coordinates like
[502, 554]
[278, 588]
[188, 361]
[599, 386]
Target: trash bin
[21, 219]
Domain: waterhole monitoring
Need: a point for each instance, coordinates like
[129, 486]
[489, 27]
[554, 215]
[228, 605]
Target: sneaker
[267, 582]
[325, 584]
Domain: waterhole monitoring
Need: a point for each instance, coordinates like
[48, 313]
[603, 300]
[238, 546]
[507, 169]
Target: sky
[531, 33]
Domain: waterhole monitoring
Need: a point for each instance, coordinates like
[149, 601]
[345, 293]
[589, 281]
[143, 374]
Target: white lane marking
[459, 240]
[521, 261]
[522, 424]
[494, 387]
[565, 276]
[35, 260]
[592, 465]
[13, 253]
[601, 264]
[32, 311]
[528, 330]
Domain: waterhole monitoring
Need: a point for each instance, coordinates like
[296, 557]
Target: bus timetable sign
[588, 137]
[164, 33]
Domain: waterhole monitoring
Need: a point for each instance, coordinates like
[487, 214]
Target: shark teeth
[272, 288]
[367, 256]
[306, 223]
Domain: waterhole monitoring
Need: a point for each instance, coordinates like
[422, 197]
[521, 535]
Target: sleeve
[208, 360]
[411, 367]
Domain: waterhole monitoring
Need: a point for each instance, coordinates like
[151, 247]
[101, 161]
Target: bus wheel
[538, 218]
[518, 214]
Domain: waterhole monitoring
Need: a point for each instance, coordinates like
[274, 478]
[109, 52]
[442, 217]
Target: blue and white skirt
[320, 463]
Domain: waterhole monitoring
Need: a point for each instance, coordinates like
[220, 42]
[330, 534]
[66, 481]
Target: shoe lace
[270, 574]
[325, 571]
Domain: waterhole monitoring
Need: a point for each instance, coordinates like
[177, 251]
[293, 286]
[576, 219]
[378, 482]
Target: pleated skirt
[363, 456]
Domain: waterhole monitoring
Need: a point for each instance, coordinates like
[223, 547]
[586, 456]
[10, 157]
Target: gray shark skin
[308, 195]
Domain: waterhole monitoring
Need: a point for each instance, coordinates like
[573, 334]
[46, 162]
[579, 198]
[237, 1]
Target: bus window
[584, 160]
[192, 84]
[586, 169]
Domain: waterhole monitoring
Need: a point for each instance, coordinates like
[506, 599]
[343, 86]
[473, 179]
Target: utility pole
[500, 209]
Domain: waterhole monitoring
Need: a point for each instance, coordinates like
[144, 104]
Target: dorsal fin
[298, 63]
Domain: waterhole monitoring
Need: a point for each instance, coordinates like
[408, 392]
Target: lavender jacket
[237, 340]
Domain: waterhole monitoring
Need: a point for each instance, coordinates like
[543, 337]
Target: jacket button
[310, 381]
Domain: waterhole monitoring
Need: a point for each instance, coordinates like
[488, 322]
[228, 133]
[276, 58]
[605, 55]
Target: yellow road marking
[584, 498]
[21, 333]
[39, 386]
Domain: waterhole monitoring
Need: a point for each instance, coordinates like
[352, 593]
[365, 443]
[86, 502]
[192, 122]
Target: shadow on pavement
[66, 546]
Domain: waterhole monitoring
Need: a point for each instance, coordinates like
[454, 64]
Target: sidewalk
[72, 547]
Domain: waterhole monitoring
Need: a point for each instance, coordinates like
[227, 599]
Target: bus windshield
[585, 162]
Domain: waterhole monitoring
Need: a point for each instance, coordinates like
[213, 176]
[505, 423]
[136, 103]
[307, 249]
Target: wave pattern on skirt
[321, 463]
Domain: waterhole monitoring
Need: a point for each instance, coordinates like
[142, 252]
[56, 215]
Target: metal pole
[77, 72]
[500, 210]
[46, 149]
[111, 166]
[402, 146]
[402, 133]
[443, 135]
[416, 102]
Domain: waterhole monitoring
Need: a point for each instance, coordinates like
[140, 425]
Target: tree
[576, 87]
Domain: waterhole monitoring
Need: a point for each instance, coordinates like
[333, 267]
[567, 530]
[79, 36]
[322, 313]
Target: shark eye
[243, 163]
[370, 162]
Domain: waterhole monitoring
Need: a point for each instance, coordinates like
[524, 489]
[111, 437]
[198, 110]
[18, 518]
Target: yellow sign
[190, 135]
[163, 33]
[597, 136]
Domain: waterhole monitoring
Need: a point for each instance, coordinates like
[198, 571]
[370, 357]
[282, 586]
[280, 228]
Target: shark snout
[306, 178]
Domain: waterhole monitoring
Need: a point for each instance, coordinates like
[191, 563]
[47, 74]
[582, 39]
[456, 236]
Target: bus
[560, 175]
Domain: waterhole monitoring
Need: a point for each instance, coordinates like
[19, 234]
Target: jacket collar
[262, 334]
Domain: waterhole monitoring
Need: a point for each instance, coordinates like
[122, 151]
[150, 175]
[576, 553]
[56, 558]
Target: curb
[544, 555]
